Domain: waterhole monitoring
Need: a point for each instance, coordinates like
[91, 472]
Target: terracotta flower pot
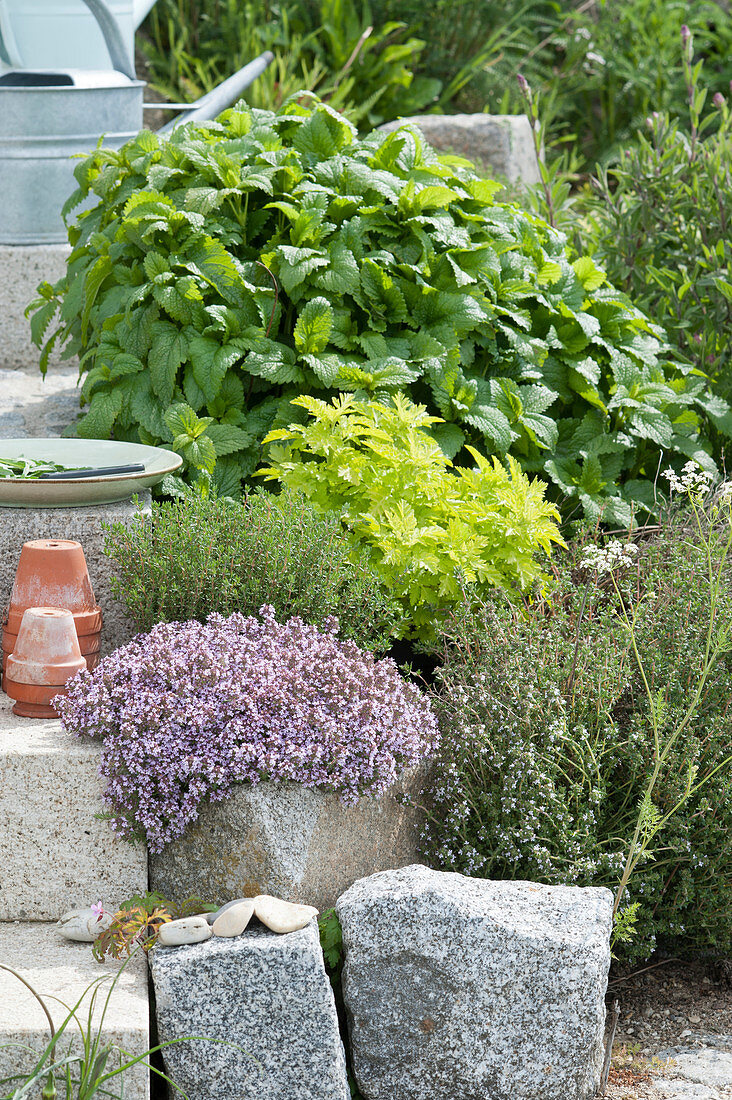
[53, 573]
[46, 656]
[89, 644]
[33, 700]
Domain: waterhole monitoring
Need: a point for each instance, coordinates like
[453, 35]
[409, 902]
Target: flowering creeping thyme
[189, 710]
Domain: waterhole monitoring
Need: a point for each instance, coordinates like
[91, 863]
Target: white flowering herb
[609, 558]
[693, 479]
[586, 738]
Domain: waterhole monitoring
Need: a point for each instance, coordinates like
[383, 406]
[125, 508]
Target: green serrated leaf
[92, 285]
[313, 327]
[104, 408]
[210, 361]
[169, 348]
[228, 439]
[493, 424]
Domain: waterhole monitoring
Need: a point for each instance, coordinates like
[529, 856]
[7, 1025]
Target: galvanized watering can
[48, 115]
[63, 34]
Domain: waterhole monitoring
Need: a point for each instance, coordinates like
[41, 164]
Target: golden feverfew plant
[432, 528]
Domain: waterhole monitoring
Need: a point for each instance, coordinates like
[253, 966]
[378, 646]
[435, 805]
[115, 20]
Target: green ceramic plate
[69, 493]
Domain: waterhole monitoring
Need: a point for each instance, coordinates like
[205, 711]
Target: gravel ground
[674, 1034]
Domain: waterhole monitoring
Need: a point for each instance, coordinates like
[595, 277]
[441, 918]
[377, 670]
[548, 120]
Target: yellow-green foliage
[431, 528]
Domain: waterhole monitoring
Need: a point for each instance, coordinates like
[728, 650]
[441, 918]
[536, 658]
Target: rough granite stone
[497, 144]
[63, 970]
[22, 268]
[466, 988]
[55, 854]
[18, 525]
[299, 844]
[267, 994]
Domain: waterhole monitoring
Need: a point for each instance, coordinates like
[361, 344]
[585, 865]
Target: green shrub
[548, 741]
[330, 46]
[193, 557]
[429, 531]
[618, 62]
[661, 226]
[599, 67]
[259, 257]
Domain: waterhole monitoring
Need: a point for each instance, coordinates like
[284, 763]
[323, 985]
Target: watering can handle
[109, 27]
[7, 39]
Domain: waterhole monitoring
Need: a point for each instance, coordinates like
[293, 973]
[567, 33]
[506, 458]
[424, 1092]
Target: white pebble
[186, 930]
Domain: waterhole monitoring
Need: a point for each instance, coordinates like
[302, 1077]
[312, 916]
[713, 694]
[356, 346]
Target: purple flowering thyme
[189, 710]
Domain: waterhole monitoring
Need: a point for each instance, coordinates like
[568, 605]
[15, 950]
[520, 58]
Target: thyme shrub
[194, 556]
[548, 741]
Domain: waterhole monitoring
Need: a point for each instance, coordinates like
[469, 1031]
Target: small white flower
[606, 559]
[693, 479]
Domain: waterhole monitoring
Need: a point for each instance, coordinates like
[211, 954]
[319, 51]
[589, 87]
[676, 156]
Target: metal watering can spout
[51, 113]
[216, 101]
[141, 9]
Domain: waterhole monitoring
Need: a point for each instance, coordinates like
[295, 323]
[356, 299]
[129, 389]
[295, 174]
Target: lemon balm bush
[560, 764]
[431, 528]
[189, 710]
[263, 256]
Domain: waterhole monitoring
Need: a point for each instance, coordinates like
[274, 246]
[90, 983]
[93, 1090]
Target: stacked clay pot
[45, 657]
[53, 573]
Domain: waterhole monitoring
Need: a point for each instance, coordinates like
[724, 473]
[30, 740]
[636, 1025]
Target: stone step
[55, 854]
[36, 406]
[59, 969]
[22, 268]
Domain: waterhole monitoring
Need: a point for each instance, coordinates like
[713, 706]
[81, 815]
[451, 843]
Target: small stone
[282, 916]
[695, 1019]
[83, 925]
[233, 919]
[185, 930]
[212, 917]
